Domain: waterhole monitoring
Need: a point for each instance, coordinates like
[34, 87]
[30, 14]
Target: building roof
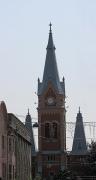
[50, 70]
[79, 142]
[19, 127]
[28, 124]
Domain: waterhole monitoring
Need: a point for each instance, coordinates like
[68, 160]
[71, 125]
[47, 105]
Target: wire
[61, 137]
[85, 122]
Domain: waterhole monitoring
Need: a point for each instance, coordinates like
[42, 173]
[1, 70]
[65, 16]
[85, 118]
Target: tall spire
[50, 41]
[79, 142]
[50, 70]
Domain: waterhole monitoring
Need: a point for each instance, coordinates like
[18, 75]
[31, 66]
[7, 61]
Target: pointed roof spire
[63, 79]
[50, 41]
[50, 70]
[50, 27]
[28, 124]
[28, 111]
[79, 142]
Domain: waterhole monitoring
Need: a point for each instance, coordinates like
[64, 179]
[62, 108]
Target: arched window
[47, 130]
[54, 130]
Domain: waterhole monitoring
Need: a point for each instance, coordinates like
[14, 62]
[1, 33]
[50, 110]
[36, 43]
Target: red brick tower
[51, 116]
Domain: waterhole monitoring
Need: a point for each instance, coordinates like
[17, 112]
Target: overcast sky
[23, 39]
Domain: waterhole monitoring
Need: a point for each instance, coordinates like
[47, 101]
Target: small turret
[28, 124]
[79, 142]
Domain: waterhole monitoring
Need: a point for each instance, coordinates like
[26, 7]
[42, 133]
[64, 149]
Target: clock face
[50, 100]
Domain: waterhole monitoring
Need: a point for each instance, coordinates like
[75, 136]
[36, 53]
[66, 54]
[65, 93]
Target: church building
[51, 116]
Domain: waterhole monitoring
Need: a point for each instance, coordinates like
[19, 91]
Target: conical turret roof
[50, 70]
[79, 142]
[28, 124]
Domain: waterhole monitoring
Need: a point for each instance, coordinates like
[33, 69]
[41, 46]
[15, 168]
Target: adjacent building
[15, 147]
[28, 124]
[3, 141]
[21, 136]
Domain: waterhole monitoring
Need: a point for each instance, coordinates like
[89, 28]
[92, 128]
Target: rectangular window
[10, 145]
[13, 173]
[51, 157]
[48, 158]
[4, 171]
[3, 143]
[10, 171]
[13, 145]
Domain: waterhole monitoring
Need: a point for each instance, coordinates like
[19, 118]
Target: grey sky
[23, 40]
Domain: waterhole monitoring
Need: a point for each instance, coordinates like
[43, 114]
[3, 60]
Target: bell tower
[51, 116]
